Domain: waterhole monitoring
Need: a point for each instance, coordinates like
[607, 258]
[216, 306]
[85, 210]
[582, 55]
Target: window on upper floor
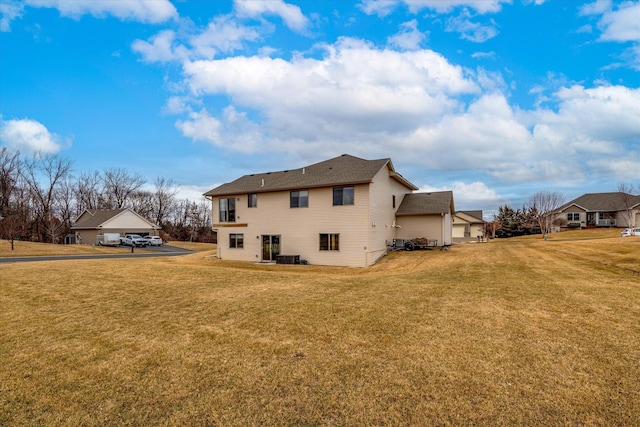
[236, 240]
[227, 210]
[329, 242]
[252, 200]
[343, 196]
[393, 200]
[299, 199]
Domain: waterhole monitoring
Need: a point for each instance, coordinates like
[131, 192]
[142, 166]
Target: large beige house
[344, 211]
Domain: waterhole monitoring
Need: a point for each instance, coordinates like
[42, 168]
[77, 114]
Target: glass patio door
[270, 247]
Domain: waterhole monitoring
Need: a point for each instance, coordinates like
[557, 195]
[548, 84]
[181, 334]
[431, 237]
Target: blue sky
[492, 99]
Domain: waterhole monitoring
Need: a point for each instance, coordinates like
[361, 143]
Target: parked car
[154, 240]
[630, 232]
[135, 240]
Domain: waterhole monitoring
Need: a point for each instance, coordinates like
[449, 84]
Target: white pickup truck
[134, 240]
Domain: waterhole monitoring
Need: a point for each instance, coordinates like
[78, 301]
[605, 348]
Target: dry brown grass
[193, 246]
[514, 332]
[21, 249]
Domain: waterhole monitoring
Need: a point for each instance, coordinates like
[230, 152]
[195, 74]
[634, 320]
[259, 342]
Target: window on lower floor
[329, 242]
[236, 240]
[573, 216]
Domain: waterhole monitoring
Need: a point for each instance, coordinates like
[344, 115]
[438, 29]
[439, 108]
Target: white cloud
[384, 7]
[475, 195]
[472, 31]
[201, 126]
[29, 137]
[8, 12]
[414, 104]
[233, 132]
[596, 8]
[623, 169]
[222, 34]
[378, 7]
[484, 55]
[154, 12]
[292, 16]
[409, 37]
[161, 48]
[193, 193]
[621, 25]
[602, 115]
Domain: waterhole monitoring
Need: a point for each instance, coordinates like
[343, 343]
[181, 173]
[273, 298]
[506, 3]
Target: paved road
[156, 251]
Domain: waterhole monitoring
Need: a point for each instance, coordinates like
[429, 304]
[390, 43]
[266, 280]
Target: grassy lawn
[21, 249]
[512, 332]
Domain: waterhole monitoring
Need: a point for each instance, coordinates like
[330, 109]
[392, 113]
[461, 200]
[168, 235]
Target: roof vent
[262, 185]
[303, 171]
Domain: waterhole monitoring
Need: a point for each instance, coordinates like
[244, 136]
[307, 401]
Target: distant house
[468, 225]
[601, 210]
[93, 223]
[344, 211]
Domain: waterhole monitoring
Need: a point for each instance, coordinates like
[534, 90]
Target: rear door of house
[270, 247]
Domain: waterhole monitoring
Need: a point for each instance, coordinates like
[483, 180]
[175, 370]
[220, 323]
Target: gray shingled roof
[476, 214]
[342, 170]
[94, 218]
[440, 202]
[611, 202]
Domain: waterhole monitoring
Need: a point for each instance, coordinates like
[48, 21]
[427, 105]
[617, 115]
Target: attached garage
[426, 215]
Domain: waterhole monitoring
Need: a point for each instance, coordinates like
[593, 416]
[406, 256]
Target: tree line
[41, 196]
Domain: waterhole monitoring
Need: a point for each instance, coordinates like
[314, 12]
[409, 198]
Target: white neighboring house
[344, 211]
[92, 224]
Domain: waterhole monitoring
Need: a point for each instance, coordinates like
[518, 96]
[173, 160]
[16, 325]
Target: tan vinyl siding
[427, 226]
[382, 216]
[299, 228]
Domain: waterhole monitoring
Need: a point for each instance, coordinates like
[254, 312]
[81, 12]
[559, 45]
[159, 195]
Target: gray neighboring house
[93, 223]
[601, 210]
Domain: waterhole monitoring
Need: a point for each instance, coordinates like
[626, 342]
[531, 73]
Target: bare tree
[142, 203]
[163, 199]
[87, 192]
[543, 206]
[119, 186]
[66, 208]
[51, 170]
[9, 175]
[628, 200]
